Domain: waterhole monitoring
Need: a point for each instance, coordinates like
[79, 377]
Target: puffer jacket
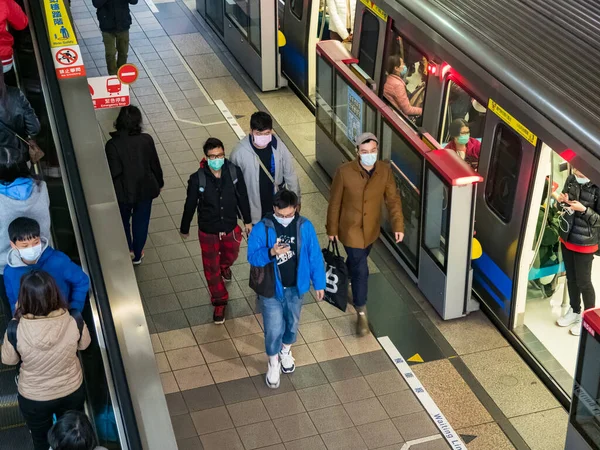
[583, 227]
[17, 116]
[113, 15]
[48, 347]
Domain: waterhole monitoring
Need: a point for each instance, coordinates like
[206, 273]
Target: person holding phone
[579, 237]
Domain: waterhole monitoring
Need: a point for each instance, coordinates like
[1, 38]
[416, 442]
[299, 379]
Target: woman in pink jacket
[47, 340]
[394, 89]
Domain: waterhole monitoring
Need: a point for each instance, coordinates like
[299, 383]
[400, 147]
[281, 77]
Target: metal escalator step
[17, 438]
[10, 415]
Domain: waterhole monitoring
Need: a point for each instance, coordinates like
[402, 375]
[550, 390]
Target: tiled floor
[345, 393]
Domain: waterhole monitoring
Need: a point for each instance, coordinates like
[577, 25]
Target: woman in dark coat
[137, 176]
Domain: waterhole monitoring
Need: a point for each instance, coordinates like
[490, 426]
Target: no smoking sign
[68, 63]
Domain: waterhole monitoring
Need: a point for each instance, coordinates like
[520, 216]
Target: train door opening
[543, 296]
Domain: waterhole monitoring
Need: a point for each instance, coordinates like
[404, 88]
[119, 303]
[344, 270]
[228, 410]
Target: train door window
[324, 94]
[214, 12]
[245, 14]
[407, 166]
[503, 175]
[405, 78]
[352, 117]
[369, 40]
[297, 7]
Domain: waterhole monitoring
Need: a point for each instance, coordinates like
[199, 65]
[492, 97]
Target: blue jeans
[359, 273]
[136, 220]
[280, 319]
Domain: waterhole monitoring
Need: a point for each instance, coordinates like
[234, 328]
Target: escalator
[125, 415]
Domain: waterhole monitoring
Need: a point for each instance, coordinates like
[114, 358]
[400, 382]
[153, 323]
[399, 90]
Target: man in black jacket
[217, 191]
[115, 21]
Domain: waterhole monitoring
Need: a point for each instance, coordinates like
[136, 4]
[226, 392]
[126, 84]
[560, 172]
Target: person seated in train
[462, 143]
[477, 119]
[579, 237]
[395, 90]
[30, 251]
[267, 165]
[20, 196]
[73, 431]
[45, 337]
[341, 19]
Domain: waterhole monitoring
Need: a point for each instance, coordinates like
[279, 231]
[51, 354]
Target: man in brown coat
[354, 214]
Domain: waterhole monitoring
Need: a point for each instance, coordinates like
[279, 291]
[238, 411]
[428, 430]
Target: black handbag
[262, 279]
[336, 290]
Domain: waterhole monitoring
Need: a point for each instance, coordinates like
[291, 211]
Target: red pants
[219, 252]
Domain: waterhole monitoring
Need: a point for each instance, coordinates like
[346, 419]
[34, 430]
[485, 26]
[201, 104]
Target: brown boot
[362, 323]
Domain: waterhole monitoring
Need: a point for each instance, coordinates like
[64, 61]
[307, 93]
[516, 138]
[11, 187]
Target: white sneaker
[576, 329]
[287, 361]
[273, 375]
[568, 319]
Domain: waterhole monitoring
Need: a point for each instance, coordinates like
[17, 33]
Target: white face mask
[368, 159]
[284, 221]
[262, 141]
[31, 253]
[582, 180]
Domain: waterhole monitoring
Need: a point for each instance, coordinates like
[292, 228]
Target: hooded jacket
[311, 267]
[134, 166]
[10, 14]
[48, 345]
[113, 15]
[583, 228]
[244, 156]
[23, 197]
[70, 278]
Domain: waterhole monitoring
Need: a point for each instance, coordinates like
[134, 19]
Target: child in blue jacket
[289, 241]
[31, 251]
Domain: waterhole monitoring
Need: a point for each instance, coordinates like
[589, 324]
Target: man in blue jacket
[290, 242]
[31, 251]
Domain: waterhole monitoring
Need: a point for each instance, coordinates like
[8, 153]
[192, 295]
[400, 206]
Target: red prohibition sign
[66, 56]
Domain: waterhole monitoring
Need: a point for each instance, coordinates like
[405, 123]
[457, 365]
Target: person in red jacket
[10, 14]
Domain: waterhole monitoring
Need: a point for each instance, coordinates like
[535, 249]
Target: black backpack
[11, 329]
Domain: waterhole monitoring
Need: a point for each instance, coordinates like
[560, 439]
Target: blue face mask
[216, 164]
[368, 159]
[403, 71]
[463, 139]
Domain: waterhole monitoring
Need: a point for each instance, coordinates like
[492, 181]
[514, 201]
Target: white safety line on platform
[409, 444]
[192, 74]
[166, 100]
[151, 5]
[432, 409]
[230, 118]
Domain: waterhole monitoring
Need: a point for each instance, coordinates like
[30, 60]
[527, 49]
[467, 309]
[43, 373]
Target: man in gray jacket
[267, 165]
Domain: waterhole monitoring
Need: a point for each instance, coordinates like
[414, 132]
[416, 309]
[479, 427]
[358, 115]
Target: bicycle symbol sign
[66, 56]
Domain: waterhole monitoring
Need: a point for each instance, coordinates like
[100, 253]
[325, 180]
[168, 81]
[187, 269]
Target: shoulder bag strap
[265, 170]
[14, 132]
[11, 334]
[78, 319]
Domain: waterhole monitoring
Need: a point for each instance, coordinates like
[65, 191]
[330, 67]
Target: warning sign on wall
[108, 92]
[60, 30]
[68, 62]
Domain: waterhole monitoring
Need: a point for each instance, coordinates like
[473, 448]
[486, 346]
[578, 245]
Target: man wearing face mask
[394, 89]
[579, 236]
[462, 143]
[354, 214]
[217, 191]
[30, 252]
[267, 165]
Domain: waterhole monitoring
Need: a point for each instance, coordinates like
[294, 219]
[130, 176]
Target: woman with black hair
[20, 196]
[45, 337]
[73, 431]
[137, 177]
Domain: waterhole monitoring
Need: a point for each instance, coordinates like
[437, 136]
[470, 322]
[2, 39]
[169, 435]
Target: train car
[523, 76]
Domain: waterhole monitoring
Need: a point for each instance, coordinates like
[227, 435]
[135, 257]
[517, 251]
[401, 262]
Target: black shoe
[226, 274]
[219, 315]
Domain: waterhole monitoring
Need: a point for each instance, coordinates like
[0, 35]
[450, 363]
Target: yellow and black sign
[512, 122]
[375, 9]
[60, 30]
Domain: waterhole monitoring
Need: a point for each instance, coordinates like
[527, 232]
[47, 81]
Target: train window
[353, 116]
[405, 78]
[369, 37]
[296, 6]
[214, 11]
[501, 186]
[459, 105]
[324, 94]
[245, 14]
[407, 166]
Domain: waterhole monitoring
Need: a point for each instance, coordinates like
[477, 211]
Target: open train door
[299, 23]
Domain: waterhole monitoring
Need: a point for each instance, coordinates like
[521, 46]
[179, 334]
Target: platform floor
[346, 393]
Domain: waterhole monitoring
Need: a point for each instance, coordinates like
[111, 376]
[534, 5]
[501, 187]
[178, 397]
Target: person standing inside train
[114, 19]
[579, 237]
[462, 143]
[217, 191]
[267, 165]
[341, 19]
[394, 89]
[354, 214]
